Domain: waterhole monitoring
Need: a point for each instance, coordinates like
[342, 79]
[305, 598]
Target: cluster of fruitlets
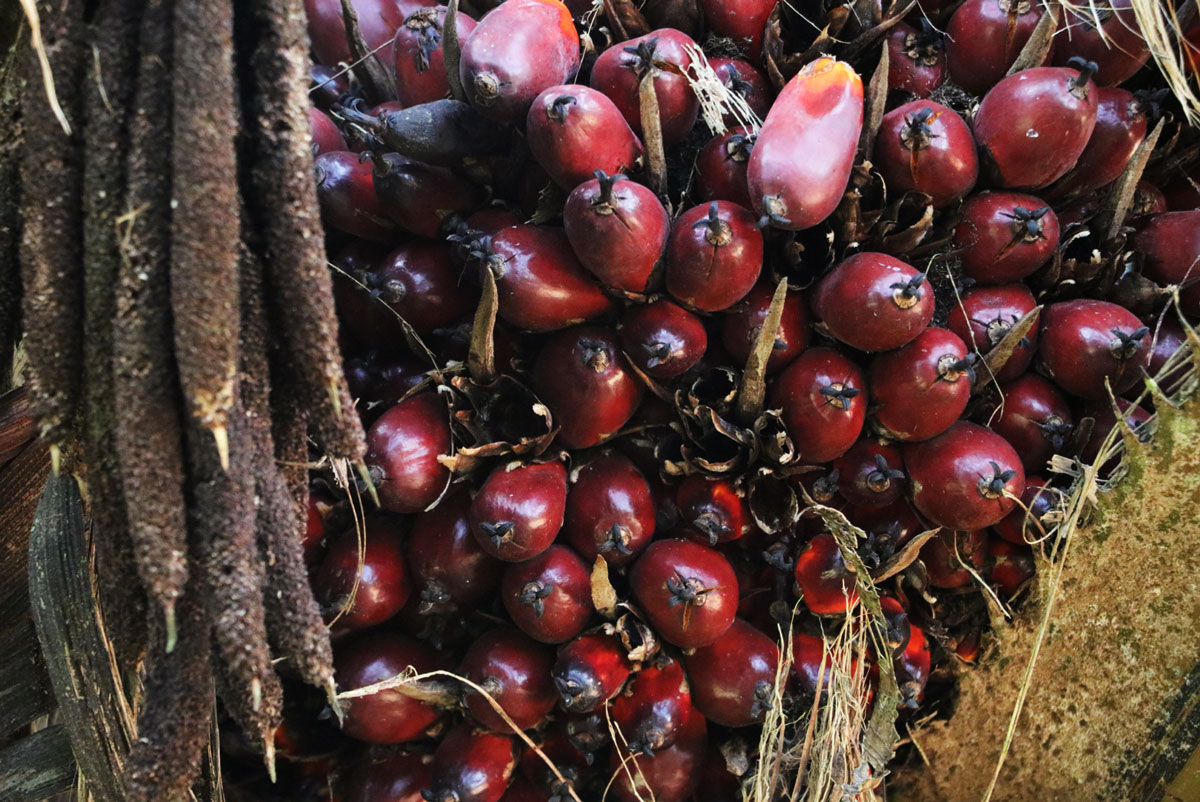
[617, 321]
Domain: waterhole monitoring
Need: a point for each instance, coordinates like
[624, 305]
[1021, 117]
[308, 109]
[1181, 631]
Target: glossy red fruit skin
[899, 630]
[589, 671]
[688, 592]
[610, 511]
[912, 668]
[540, 283]
[518, 49]
[1012, 566]
[1084, 342]
[920, 390]
[1147, 199]
[1120, 129]
[714, 256]
[471, 765]
[672, 775]
[663, 339]
[1031, 127]
[618, 71]
[1119, 52]
[419, 282]
[1169, 337]
[419, 55]
[985, 37]
[618, 229]
[826, 583]
[721, 167]
[1169, 244]
[389, 716]
[820, 110]
[327, 86]
[954, 481]
[824, 400]
[519, 509]
[806, 664]
[389, 777]
[923, 146]
[944, 568]
[743, 78]
[582, 376]
[1038, 498]
[733, 680]
[420, 197]
[743, 323]
[1034, 418]
[383, 587]
[450, 570]
[515, 670]
[346, 192]
[377, 19]
[987, 314]
[574, 130]
[654, 708]
[740, 20]
[916, 60]
[1005, 236]
[549, 597]
[713, 508]
[873, 302]
[326, 137]
[403, 447]
[871, 474]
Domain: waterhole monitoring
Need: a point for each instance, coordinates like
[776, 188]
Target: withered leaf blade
[481, 358]
[1034, 53]
[638, 639]
[496, 418]
[773, 440]
[773, 503]
[604, 596]
[903, 558]
[754, 377]
[1121, 197]
[998, 357]
[877, 90]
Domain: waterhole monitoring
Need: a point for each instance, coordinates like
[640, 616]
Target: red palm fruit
[873, 302]
[986, 314]
[820, 110]
[390, 776]
[471, 765]
[403, 447]
[871, 474]
[1012, 566]
[740, 20]
[891, 527]
[714, 509]
[912, 669]
[1182, 192]
[823, 396]
[420, 58]
[326, 137]
[541, 285]
[420, 197]
[826, 582]
[618, 72]
[1034, 417]
[574, 130]
[733, 680]
[1147, 199]
[379, 590]
[418, 282]
[654, 708]
[1031, 127]
[1005, 236]
[389, 716]
[450, 570]
[742, 78]
[314, 531]
[807, 653]
[582, 376]
[663, 339]
[328, 86]
[671, 775]
[925, 147]
[1027, 522]
[550, 596]
[1133, 416]
[744, 322]
[962, 479]
[618, 229]
[569, 763]
[346, 192]
[721, 167]
[589, 671]
[519, 510]
[1169, 244]
[688, 592]
[515, 671]
[899, 630]
[714, 257]
[1119, 50]
[492, 219]
[372, 325]
[588, 733]
[518, 49]
[916, 59]
[1120, 129]
[920, 390]
[948, 554]
[523, 789]
[984, 39]
[1084, 342]
[377, 21]
[610, 511]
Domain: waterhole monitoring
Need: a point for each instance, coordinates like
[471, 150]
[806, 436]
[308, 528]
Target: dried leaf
[754, 377]
[481, 357]
[773, 503]
[877, 90]
[604, 596]
[998, 357]
[1124, 188]
[451, 51]
[1035, 51]
[903, 558]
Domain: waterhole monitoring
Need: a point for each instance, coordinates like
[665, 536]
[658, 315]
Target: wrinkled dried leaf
[1035, 51]
[604, 596]
[903, 558]
[754, 377]
[998, 357]
[773, 503]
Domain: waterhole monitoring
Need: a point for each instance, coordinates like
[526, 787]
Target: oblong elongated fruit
[346, 193]
[985, 37]
[403, 447]
[919, 390]
[874, 302]
[618, 229]
[688, 592]
[714, 257]
[419, 55]
[610, 511]
[618, 72]
[377, 22]
[824, 400]
[733, 680]
[519, 510]
[419, 197]
[573, 131]
[1085, 342]
[801, 161]
[965, 478]
[518, 49]
[926, 147]
[1032, 126]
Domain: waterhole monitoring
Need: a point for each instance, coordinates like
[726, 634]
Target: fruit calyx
[711, 527]
[424, 21]
[595, 355]
[992, 487]
[1078, 85]
[839, 394]
[617, 539]
[739, 146]
[917, 133]
[717, 232]
[924, 46]
[499, 532]
[1028, 226]
[644, 53]
[905, 294]
[560, 108]
[774, 212]
[604, 203]
[880, 479]
[1126, 345]
[535, 594]
[951, 368]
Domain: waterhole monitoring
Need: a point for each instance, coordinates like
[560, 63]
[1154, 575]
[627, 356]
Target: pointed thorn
[221, 435]
[335, 399]
[269, 755]
[365, 474]
[334, 704]
[56, 459]
[172, 632]
[256, 694]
